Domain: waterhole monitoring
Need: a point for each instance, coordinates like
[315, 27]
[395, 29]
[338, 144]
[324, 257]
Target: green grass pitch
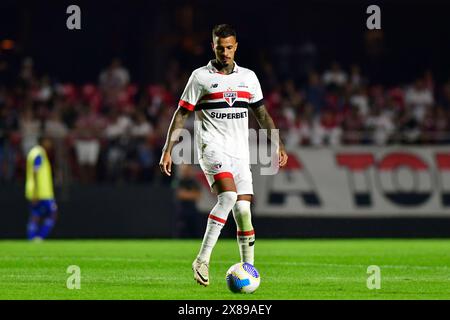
[161, 269]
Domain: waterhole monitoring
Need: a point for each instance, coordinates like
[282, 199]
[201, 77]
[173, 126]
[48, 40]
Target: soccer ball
[243, 277]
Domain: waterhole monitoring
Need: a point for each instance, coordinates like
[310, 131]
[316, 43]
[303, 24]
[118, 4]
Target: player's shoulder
[36, 150]
[246, 72]
[201, 71]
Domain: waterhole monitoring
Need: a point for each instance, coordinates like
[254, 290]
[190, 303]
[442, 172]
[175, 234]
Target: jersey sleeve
[191, 94]
[256, 95]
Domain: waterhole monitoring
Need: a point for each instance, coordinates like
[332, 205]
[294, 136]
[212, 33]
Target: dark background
[416, 35]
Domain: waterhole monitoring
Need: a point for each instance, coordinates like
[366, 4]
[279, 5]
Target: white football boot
[201, 272]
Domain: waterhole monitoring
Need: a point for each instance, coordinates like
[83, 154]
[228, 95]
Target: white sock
[216, 221]
[245, 233]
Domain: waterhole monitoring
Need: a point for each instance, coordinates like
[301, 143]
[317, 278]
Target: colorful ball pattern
[243, 278]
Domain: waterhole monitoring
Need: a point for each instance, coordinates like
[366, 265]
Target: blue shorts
[43, 208]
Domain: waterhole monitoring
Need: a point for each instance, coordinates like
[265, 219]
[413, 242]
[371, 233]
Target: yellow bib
[40, 188]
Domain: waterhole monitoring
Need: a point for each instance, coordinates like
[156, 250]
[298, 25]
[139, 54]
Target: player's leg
[217, 169]
[241, 210]
[226, 198]
[49, 219]
[245, 232]
[33, 221]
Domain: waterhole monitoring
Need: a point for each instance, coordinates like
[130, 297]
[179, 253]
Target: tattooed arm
[265, 121]
[177, 123]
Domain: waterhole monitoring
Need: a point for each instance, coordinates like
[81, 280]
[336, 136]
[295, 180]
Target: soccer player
[39, 192]
[221, 93]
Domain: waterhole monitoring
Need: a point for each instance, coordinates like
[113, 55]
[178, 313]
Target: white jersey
[221, 105]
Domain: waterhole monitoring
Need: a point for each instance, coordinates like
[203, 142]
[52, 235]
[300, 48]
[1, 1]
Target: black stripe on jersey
[220, 105]
[256, 104]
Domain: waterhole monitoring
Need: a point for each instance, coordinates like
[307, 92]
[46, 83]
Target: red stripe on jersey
[186, 105]
[246, 233]
[217, 219]
[222, 175]
[219, 95]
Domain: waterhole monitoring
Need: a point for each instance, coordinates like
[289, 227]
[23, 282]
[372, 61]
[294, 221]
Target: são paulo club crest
[230, 97]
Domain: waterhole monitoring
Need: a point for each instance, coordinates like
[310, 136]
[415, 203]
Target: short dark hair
[223, 31]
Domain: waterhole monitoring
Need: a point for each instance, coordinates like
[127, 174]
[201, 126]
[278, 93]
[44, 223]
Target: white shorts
[216, 166]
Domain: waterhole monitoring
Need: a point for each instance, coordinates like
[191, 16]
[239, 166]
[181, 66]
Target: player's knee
[227, 199]
[241, 210]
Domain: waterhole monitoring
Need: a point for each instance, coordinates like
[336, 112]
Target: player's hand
[165, 164]
[282, 157]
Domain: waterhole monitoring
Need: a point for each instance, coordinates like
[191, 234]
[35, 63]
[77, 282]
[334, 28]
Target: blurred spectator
[315, 92]
[408, 127]
[67, 111]
[30, 129]
[335, 76]
[44, 91]
[113, 82]
[156, 99]
[146, 159]
[360, 100]
[57, 131]
[356, 79]
[117, 134]
[418, 98]
[140, 128]
[428, 127]
[353, 127]
[54, 128]
[300, 132]
[326, 130]
[381, 126]
[88, 130]
[442, 126]
[188, 193]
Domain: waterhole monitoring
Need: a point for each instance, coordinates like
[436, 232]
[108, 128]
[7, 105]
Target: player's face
[224, 49]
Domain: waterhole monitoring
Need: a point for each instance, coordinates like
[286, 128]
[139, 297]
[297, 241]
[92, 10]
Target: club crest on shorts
[217, 165]
[230, 97]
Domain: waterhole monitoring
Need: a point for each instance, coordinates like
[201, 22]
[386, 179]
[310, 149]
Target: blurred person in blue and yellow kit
[39, 191]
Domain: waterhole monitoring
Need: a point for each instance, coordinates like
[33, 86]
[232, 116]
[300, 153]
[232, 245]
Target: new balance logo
[214, 85]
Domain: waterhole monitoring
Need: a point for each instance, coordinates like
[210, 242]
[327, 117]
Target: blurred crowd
[340, 107]
[113, 130]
